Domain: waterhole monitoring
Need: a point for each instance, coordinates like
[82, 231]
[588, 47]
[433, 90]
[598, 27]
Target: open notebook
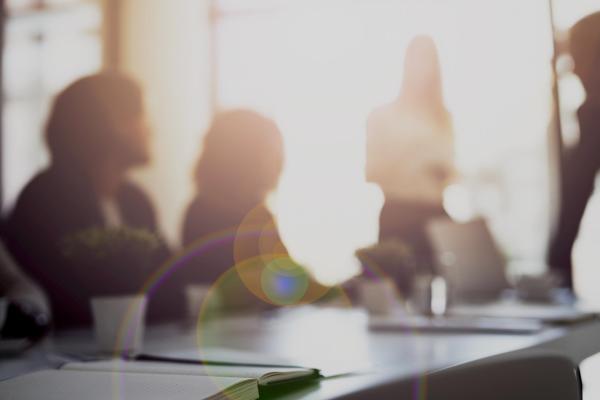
[150, 380]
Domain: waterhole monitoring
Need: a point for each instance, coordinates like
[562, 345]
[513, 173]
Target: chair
[528, 375]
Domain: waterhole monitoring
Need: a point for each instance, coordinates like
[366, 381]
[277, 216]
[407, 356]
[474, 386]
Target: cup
[119, 323]
[379, 297]
[430, 296]
[195, 297]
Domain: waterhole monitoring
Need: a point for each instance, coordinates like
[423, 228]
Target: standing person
[580, 164]
[410, 151]
[96, 133]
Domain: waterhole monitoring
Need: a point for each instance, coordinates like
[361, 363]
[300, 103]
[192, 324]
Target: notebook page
[264, 374]
[94, 385]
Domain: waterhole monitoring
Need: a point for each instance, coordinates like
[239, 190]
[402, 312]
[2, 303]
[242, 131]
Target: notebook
[555, 314]
[149, 380]
[451, 324]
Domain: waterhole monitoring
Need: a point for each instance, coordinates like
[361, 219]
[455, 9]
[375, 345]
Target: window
[319, 68]
[48, 44]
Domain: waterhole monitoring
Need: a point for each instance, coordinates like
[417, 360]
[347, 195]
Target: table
[335, 339]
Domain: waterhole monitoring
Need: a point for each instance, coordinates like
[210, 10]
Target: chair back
[528, 375]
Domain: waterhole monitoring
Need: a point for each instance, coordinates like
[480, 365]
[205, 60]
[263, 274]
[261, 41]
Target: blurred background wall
[166, 45]
[318, 68]
[163, 44]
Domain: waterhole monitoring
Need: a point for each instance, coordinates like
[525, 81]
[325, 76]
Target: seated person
[240, 164]
[28, 310]
[96, 133]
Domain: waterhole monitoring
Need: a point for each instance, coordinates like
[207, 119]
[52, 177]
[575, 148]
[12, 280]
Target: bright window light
[319, 68]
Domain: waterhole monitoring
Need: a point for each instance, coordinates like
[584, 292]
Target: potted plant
[112, 261]
[109, 267]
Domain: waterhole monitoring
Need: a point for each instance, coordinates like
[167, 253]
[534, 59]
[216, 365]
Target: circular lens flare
[284, 282]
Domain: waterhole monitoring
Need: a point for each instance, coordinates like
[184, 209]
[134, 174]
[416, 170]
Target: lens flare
[263, 278]
[284, 282]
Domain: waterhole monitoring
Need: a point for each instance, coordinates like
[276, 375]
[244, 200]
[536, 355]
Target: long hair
[242, 157]
[422, 81]
[81, 129]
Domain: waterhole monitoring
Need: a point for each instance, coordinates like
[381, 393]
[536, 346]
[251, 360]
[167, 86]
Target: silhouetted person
[240, 164]
[233, 236]
[580, 163]
[28, 312]
[410, 152]
[15, 285]
[96, 133]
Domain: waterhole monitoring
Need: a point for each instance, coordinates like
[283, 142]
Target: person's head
[585, 50]
[242, 157]
[98, 120]
[422, 83]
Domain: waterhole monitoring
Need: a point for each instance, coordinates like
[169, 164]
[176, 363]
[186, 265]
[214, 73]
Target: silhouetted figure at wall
[96, 133]
[410, 151]
[240, 164]
[581, 163]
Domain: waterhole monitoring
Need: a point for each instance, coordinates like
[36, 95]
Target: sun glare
[321, 83]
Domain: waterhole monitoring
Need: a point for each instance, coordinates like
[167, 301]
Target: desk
[333, 338]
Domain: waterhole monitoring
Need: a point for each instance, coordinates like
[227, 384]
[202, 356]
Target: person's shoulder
[589, 112]
[39, 188]
[38, 196]
[133, 192]
[41, 180]
[588, 116]
[208, 213]
[201, 218]
[262, 211]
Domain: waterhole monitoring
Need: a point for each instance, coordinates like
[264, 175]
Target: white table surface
[332, 339]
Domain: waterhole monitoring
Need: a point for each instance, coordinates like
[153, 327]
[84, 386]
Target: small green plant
[112, 259]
